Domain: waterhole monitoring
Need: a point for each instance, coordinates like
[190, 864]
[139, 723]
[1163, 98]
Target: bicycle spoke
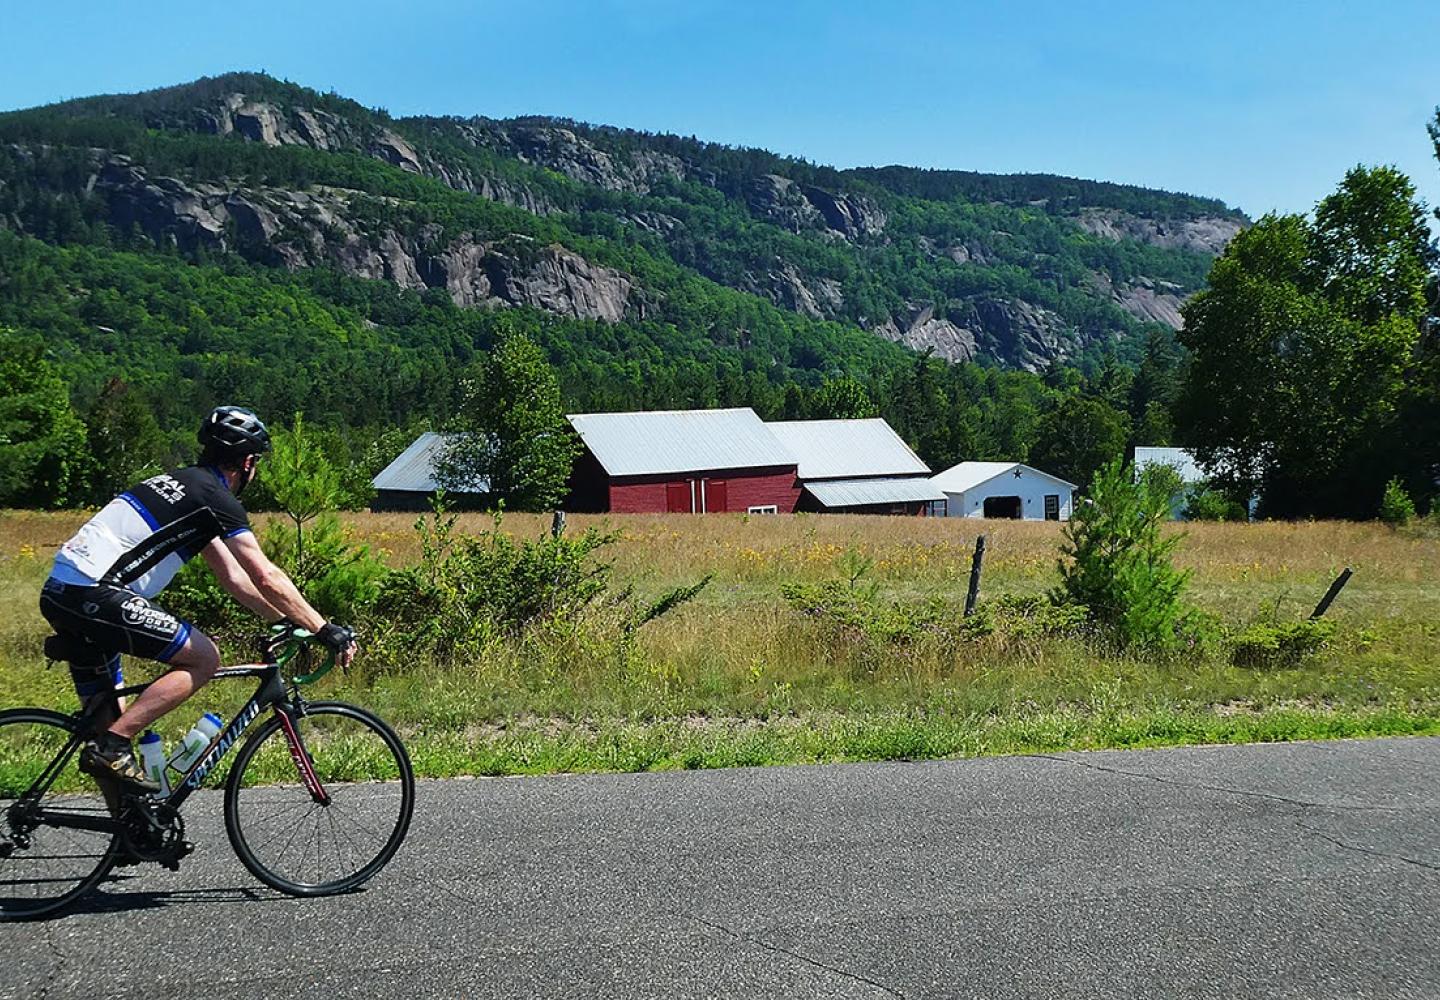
[49, 862]
[298, 845]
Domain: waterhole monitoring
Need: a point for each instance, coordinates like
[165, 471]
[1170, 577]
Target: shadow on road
[114, 899]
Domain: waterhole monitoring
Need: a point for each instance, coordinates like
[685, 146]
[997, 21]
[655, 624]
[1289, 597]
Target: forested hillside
[243, 238]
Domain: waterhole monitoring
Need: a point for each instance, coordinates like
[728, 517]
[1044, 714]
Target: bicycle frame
[270, 693]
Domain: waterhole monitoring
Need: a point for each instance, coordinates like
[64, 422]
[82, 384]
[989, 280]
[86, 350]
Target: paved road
[1303, 870]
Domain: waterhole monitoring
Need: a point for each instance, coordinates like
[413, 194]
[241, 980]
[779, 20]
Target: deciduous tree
[512, 433]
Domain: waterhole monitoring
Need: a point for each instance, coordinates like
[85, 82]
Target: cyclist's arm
[271, 582]
[236, 581]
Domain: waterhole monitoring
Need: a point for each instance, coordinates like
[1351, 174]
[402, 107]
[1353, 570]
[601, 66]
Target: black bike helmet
[233, 432]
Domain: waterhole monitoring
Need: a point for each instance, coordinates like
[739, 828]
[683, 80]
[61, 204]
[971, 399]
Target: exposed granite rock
[550, 278]
[1019, 333]
[1015, 332]
[1207, 234]
[779, 200]
[818, 298]
[566, 152]
[305, 228]
[395, 151]
[559, 281]
[798, 207]
[654, 222]
[1146, 299]
[923, 330]
[1153, 301]
[851, 215]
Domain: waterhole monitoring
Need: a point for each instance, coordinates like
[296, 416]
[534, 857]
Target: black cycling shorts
[112, 620]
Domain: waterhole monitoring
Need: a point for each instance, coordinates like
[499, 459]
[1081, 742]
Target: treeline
[141, 343]
[1314, 372]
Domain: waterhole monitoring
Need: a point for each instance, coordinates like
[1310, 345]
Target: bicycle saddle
[77, 650]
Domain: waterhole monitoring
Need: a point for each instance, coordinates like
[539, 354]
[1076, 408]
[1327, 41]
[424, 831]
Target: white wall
[1030, 488]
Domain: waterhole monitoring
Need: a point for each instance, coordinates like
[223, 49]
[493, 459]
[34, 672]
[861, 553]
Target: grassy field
[737, 677]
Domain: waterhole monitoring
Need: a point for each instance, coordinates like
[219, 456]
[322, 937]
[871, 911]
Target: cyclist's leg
[116, 618]
[190, 667]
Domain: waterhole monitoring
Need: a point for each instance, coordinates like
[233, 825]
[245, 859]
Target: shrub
[468, 592]
[1281, 644]
[339, 577]
[1118, 561]
[1396, 507]
[1026, 618]
[858, 612]
[1205, 503]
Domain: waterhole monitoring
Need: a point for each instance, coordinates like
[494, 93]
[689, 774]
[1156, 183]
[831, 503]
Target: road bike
[317, 801]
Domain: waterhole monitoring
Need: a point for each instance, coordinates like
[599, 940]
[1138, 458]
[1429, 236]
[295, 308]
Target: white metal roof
[661, 441]
[864, 492]
[414, 470]
[848, 449]
[968, 475]
[1177, 458]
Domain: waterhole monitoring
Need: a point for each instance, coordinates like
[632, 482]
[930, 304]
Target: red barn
[857, 466]
[681, 461]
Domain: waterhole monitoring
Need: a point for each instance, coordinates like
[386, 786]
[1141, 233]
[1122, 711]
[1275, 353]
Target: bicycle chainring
[153, 831]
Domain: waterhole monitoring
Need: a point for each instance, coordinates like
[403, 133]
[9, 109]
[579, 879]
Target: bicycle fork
[301, 757]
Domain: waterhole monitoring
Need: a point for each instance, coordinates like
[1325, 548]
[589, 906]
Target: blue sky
[1264, 104]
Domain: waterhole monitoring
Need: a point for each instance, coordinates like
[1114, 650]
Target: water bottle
[152, 759]
[193, 744]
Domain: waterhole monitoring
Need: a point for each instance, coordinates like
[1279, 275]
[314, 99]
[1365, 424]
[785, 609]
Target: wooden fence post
[1331, 594]
[976, 563]
[557, 524]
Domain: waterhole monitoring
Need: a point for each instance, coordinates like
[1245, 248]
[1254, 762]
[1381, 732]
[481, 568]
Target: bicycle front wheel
[318, 803]
[56, 838]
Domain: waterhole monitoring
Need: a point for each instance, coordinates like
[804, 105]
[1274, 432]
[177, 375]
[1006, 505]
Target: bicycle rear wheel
[318, 837]
[45, 866]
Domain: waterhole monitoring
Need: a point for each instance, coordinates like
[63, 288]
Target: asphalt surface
[1299, 870]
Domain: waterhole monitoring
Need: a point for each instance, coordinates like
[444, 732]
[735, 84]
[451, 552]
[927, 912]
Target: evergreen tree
[1119, 561]
[43, 460]
[124, 439]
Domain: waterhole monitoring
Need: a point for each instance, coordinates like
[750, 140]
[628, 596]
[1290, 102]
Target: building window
[768, 508]
[1052, 507]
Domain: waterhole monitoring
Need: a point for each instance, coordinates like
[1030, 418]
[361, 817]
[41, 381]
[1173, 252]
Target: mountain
[243, 239]
[568, 218]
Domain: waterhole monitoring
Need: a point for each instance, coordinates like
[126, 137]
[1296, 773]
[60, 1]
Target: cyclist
[100, 588]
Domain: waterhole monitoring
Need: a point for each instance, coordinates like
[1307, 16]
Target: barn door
[715, 496]
[677, 498]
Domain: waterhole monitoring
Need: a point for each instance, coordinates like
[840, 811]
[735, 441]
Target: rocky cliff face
[297, 229]
[800, 207]
[1207, 234]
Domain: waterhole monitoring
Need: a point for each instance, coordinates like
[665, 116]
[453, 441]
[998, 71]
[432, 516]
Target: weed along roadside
[655, 642]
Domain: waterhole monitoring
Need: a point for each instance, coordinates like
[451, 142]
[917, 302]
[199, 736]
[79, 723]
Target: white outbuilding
[1004, 490]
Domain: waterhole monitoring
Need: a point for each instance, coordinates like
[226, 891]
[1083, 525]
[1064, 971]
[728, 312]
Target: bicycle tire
[37, 877]
[374, 778]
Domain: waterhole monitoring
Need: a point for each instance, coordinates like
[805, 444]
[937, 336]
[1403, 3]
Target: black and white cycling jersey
[140, 539]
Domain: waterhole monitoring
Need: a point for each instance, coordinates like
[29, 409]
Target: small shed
[408, 483]
[1005, 490]
[857, 466]
[681, 461]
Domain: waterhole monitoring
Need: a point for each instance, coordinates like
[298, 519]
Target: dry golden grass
[1235, 567]
[739, 656]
